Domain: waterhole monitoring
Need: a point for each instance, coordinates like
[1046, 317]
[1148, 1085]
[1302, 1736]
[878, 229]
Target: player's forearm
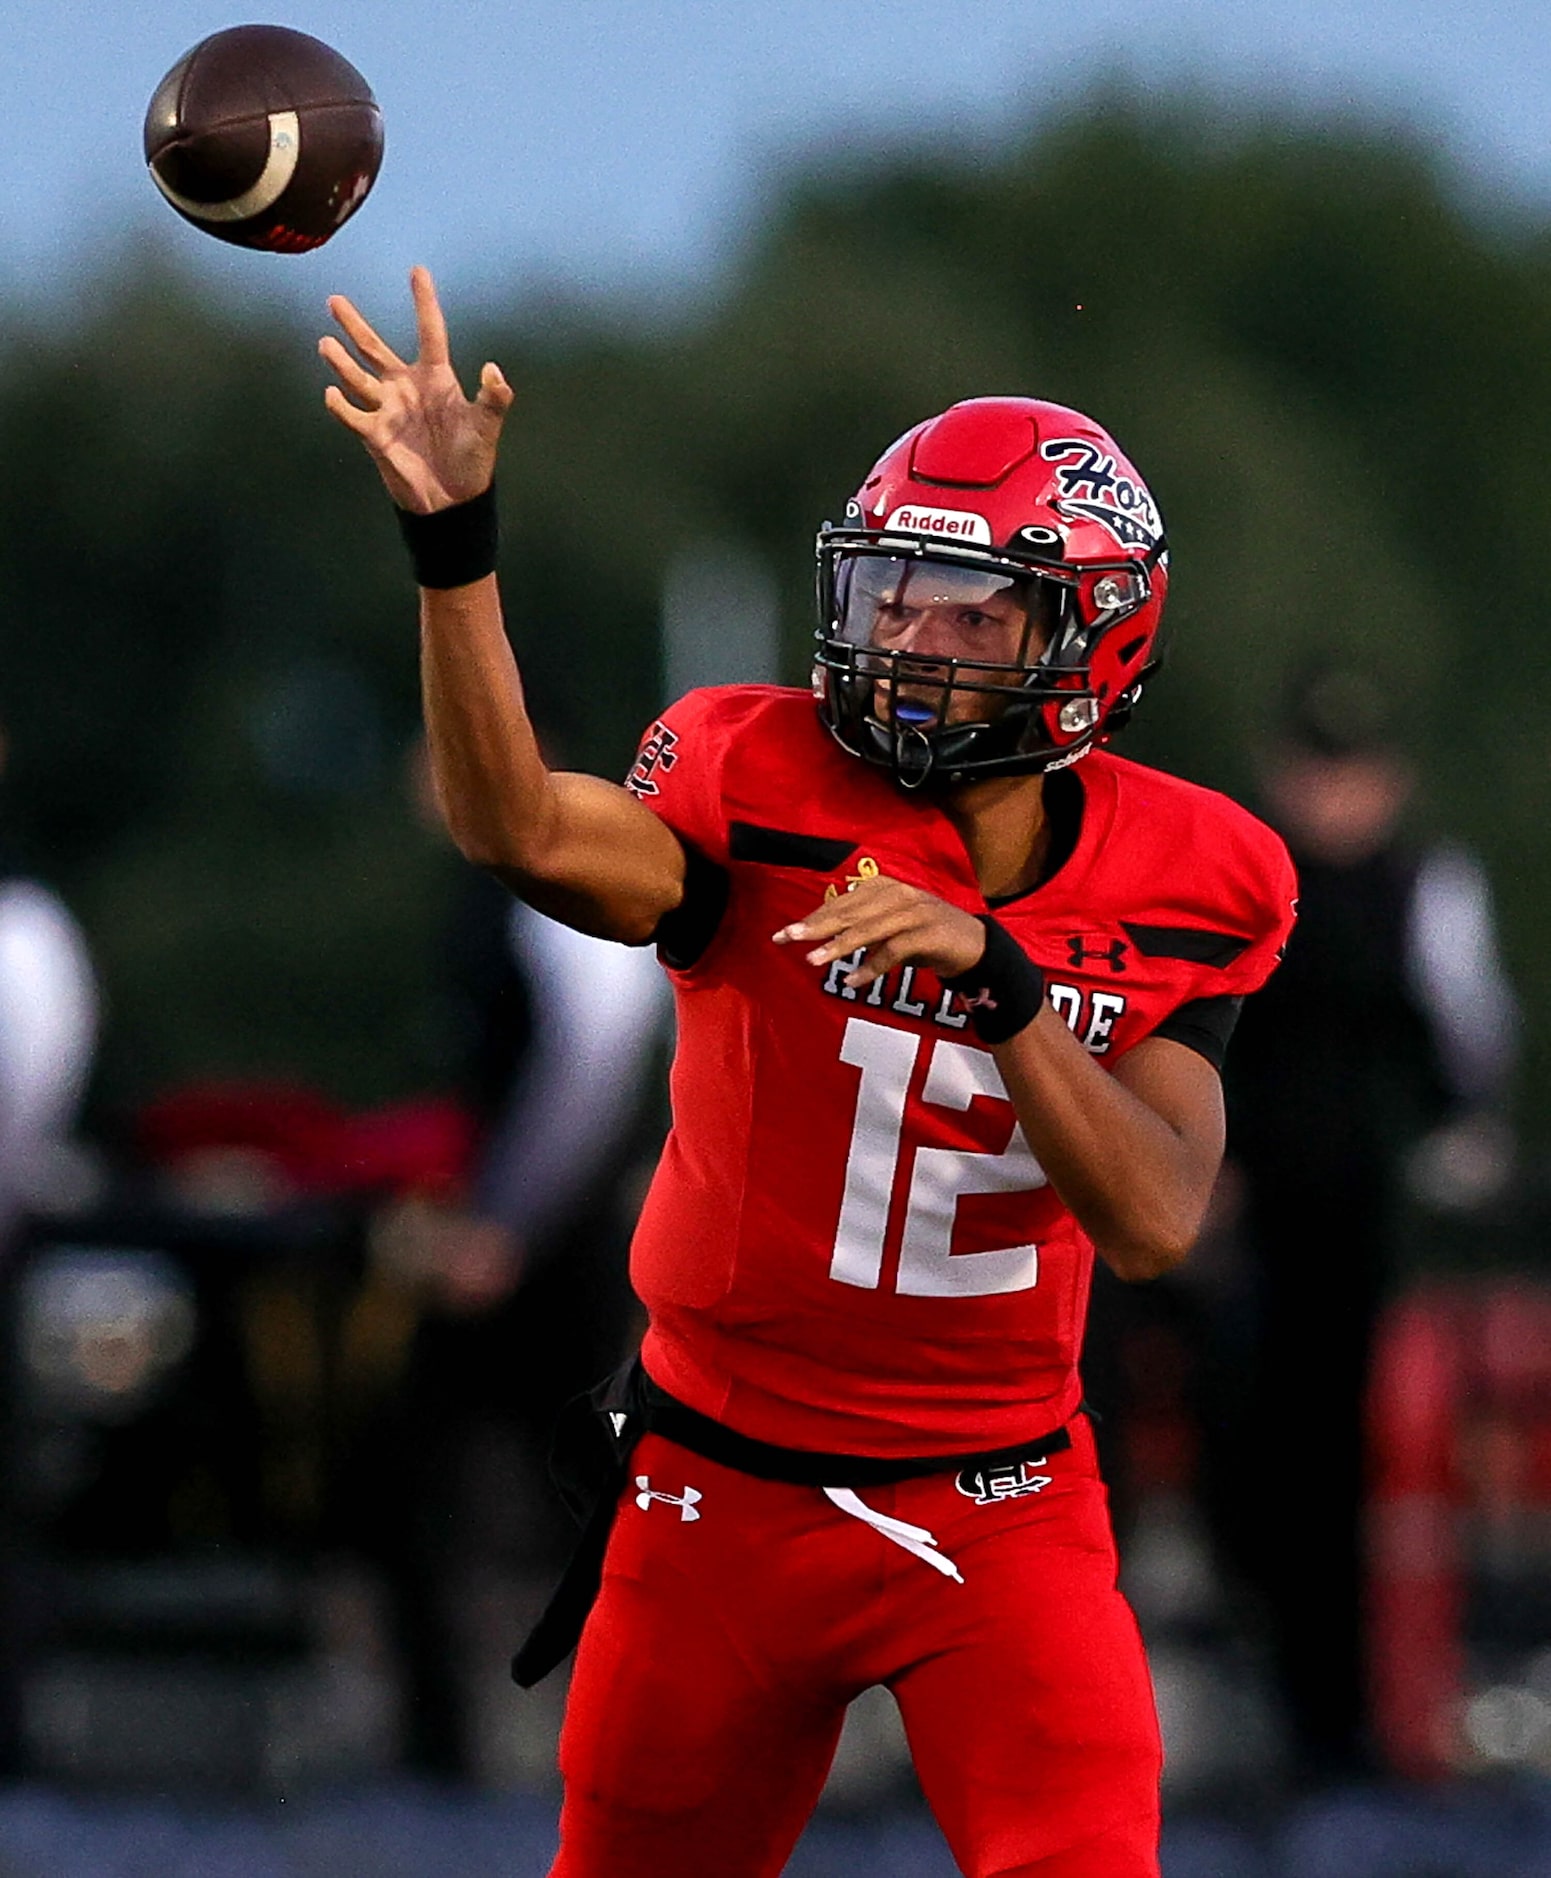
[492, 784]
[1135, 1185]
[576, 847]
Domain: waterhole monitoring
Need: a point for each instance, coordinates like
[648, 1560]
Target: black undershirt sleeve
[683, 935]
[1203, 1025]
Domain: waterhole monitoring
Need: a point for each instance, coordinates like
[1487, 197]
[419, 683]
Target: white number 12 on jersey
[928, 1267]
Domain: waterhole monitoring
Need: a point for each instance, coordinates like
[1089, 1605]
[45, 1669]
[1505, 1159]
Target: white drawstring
[916, 1540]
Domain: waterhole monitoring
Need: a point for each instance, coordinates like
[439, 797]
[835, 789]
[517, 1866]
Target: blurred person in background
[550, 1041]
[1379, 1056]
[48, 1027]
[495, 1210]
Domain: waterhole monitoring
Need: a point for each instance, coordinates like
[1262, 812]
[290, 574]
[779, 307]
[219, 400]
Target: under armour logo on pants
[687, 1502]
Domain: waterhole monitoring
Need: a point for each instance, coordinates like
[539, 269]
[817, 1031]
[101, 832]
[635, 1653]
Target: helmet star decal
[1093, 489]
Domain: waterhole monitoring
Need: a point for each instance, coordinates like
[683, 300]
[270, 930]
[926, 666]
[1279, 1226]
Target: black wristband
[1004, 991]
[454, 547]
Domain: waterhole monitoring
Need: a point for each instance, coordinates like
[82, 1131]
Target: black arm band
[1003, 993]
[454, 547]
[1204, 1025]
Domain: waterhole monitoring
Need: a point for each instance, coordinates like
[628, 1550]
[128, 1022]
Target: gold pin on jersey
[866, 869]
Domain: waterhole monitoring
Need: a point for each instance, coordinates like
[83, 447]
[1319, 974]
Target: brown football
[264, 137]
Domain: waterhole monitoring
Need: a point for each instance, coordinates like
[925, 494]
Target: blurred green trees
[1336, 379]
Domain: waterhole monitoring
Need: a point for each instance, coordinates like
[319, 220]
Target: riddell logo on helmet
[951, 524]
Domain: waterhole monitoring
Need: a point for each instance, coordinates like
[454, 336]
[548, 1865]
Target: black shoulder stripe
[1195, 944]
[779, 847]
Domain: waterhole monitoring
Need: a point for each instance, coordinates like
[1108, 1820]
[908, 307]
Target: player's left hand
[894, 925]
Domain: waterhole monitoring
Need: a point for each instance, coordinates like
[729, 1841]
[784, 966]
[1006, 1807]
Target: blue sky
[623, 148]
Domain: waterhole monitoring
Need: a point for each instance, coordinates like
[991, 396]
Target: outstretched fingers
[363, 335]
[350, 415]
[354, 376]
[495, 395]
[429, 323]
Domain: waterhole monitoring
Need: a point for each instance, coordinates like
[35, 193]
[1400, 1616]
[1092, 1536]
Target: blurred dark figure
[524, 1298]
[48, 1026]
[1379, 1051]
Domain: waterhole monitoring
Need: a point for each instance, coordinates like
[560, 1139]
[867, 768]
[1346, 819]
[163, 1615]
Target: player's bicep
[1184, 1090]
[605, 864]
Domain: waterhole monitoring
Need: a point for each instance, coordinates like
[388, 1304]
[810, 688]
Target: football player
[953, 987]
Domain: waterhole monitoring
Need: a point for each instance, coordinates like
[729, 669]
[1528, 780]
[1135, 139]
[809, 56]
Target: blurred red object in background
[248, 1145]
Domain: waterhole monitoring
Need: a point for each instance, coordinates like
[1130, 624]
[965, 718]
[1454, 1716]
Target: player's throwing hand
[432, 446]
[895, 925]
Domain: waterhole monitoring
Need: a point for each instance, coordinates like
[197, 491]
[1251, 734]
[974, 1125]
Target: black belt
[597, 1435]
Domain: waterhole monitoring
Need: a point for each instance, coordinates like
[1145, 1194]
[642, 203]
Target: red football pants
[714, 1672]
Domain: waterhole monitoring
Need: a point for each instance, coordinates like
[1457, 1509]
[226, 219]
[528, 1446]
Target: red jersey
[848, 1245]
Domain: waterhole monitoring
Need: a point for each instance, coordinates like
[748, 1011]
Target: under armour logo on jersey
[688, 1502]
[986, 1485]
[1113, 951]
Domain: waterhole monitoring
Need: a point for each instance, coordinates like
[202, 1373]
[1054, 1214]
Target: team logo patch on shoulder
[658, 752]
[951, 524]
[866, 869]
[1095, 489]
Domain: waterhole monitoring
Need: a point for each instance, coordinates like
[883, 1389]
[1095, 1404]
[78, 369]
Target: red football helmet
[1000, 510]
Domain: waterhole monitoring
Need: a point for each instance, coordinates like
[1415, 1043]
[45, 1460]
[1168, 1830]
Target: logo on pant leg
[688, 1502]
[986, 1485]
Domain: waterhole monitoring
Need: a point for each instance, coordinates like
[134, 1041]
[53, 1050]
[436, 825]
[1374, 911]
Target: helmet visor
[936, 610]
